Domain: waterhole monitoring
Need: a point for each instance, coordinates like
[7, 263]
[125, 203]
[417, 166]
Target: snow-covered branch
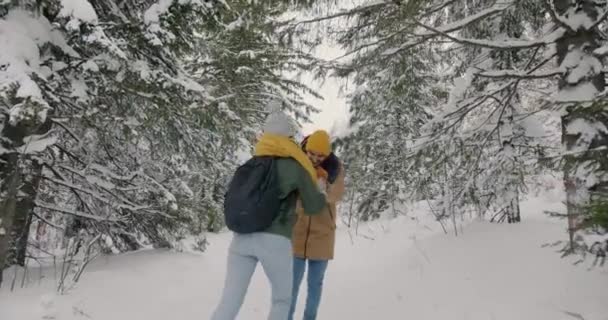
[601, 51]
[346, 13]
[443, 30]
[559, 19]
[506, 44]
[49, 206]
[600, 20]
[519, 74]
[460, 24]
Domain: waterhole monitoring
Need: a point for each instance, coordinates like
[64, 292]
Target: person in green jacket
[272, 247]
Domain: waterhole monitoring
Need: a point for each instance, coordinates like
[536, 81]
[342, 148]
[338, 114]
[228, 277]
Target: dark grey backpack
[252, 201]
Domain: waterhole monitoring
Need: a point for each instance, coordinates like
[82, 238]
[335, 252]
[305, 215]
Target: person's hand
[321, 173]
[322, 184]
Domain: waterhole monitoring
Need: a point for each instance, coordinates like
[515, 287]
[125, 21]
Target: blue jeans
[316, 273]
[246, 250]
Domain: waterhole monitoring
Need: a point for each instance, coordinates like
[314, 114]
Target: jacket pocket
[332, 217]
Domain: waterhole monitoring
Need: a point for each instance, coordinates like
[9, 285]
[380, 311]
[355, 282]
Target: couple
[310, 181]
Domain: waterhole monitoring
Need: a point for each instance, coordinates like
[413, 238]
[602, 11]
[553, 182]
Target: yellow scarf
[280, 146]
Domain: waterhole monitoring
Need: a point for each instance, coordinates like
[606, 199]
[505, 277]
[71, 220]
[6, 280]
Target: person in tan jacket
[314, 237]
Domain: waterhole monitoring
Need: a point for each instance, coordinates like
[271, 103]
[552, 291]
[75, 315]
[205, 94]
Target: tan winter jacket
[314, 237]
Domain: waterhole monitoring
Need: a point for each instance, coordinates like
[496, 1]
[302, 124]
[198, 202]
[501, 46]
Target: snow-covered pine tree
[514, 52]
[391, 93]
[380, 39]
[78, 78]
[581, 57]
[572, 41]
[120, 122]
[389, 97]
[490, 116]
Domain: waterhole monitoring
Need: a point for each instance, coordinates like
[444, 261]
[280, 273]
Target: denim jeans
[316, 273]
[275, 255]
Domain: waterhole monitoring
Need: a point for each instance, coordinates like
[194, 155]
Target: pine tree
[122, 122]
[504, 58]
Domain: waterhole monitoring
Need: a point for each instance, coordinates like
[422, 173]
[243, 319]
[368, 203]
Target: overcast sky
[334, 111]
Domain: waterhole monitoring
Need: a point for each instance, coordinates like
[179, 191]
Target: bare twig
[47, 221]
[497, 74]
[574, 315]
[497, 45]
[88, 257]
[75, 213]
[354, 11]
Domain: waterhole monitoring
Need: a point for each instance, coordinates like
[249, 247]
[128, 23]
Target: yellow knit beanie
[319, 142]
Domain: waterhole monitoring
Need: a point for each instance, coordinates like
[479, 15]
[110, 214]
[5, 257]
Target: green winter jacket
[294, 182]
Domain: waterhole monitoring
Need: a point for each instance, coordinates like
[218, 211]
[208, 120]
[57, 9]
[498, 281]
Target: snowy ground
[402, 269]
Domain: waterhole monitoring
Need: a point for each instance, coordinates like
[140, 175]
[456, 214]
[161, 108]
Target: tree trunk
[510, 165]
[514, 210]
[23, 217]
[584, 41]
[19, 179]
[11, 179]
